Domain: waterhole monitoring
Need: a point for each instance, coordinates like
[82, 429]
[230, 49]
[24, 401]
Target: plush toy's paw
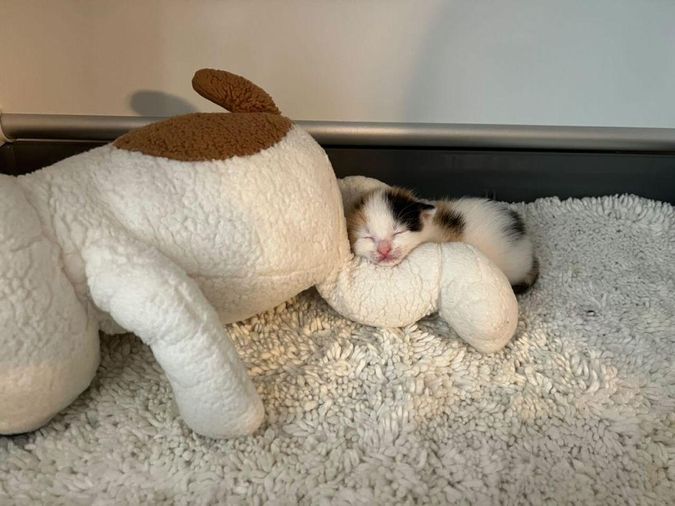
[476, 298]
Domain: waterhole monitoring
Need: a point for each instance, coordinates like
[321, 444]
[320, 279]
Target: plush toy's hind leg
[48, 347]
[149, 295]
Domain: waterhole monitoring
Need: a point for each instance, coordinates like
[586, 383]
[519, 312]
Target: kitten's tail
[530, 279]
[233, 92]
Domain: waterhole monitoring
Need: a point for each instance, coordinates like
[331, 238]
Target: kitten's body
[389, 223]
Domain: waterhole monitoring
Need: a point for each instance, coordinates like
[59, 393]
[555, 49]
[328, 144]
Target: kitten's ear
[428, 212]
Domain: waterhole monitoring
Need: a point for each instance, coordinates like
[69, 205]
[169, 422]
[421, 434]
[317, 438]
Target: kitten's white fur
[486, 222]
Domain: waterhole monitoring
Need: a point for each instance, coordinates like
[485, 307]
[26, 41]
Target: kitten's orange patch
[355, 221]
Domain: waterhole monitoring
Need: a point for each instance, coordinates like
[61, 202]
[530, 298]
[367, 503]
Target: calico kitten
[388, 223]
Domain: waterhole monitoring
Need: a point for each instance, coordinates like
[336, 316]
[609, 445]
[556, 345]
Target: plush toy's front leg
[152, 297]
[459, 282]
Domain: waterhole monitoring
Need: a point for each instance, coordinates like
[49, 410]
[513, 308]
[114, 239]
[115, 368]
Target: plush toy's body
[187, 224]
[220, 221]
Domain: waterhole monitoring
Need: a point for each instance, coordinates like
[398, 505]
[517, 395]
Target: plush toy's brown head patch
[254, 123]
[207, 136]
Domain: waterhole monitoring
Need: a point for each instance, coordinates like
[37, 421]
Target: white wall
[565, 62]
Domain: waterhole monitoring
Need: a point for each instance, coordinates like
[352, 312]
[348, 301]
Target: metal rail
[331, 133]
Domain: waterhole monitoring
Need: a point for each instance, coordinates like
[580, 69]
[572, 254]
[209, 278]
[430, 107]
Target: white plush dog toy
[184, 225]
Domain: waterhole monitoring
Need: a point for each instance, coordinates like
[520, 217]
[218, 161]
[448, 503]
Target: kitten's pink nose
[384, 247]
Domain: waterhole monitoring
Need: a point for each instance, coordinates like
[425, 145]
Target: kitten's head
[387, 224]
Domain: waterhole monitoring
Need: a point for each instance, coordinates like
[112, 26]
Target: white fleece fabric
[579, 408]
[170, 250]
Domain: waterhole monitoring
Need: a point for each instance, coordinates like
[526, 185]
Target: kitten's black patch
[520, 288]
[450, 219]
[516, 228]
[406, 210]
[530, 279]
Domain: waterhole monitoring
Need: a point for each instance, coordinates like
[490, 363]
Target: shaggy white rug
[578, 409]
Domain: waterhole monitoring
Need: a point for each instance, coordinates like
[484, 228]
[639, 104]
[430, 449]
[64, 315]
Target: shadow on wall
[158, 103]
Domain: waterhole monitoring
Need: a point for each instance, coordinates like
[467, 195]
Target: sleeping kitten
[388, 223]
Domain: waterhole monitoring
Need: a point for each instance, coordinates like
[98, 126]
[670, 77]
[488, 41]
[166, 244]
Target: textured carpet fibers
[578, 409]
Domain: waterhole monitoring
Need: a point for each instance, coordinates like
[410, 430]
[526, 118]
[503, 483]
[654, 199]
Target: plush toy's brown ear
[233, 92]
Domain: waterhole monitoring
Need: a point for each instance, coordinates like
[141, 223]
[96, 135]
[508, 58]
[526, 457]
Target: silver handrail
[333, 133]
